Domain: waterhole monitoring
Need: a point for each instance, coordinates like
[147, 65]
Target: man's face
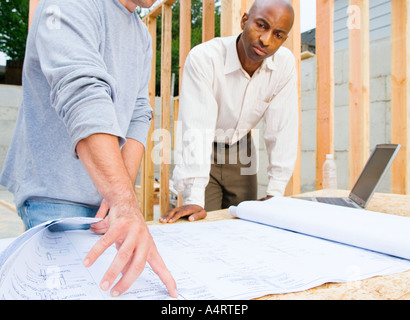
[265, 29]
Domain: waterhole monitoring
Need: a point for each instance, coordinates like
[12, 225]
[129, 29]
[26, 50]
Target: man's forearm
[101, 156]
[132, 153]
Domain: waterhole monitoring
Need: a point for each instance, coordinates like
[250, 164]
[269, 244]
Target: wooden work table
[393, 287]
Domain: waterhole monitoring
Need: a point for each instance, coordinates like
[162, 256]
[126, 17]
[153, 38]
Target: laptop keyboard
[336, 201]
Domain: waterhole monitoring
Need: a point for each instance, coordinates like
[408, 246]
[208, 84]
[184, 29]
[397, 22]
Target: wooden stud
[230, 17]
[157, 10]
[147, 175]
[166, 53]
[400, 119]
[293, 43]
[208, 20]
[245, 6]
[184, 35]
[325, 84]
[359, 82]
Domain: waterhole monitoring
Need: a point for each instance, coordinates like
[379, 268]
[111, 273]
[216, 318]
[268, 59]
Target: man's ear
[244, 20]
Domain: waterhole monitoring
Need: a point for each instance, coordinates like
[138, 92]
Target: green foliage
[196, 38]
[13, 28]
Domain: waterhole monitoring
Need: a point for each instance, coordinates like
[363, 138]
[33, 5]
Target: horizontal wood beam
[157, 10]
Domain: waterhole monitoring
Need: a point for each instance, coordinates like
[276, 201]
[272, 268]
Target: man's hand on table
[192, 211]
[113, 174]
[125, 226]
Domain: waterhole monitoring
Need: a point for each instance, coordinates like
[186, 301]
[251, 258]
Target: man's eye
[260, 25]
[278, 35]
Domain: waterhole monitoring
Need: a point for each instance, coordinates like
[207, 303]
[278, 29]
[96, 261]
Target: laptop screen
[373, 172]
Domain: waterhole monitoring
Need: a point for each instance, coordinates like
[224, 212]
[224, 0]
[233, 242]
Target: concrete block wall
[380, 93]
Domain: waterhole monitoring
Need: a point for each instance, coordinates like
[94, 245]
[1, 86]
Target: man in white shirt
[229, 85]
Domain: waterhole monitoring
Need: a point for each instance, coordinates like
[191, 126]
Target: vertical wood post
[245, 6]
[293, 43]
[208, 20]
[400, 119]
[165, 106]
[230, 17]
[147, 174]
[359, 82]
[325, 84]
[184, 34]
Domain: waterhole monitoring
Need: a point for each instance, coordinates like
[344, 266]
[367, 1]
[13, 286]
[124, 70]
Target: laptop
[377, 165]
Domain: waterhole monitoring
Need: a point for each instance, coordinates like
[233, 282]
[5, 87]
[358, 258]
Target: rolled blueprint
[385, 233]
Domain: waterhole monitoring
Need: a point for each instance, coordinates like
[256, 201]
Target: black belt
[227, 145]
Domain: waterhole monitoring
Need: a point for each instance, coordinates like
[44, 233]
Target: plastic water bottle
[329, 173]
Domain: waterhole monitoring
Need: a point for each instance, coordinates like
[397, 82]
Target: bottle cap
[329, 156]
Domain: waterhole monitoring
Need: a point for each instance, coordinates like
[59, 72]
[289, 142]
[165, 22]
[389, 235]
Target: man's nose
[265, 38]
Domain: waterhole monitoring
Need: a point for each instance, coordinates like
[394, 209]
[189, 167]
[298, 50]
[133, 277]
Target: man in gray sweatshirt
[82, 127]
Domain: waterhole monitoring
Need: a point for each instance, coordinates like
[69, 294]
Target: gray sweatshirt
[86, 71]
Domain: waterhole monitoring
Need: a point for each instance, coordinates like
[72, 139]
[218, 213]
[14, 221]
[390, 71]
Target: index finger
[125, 255]
[159, 267]
[99, 247]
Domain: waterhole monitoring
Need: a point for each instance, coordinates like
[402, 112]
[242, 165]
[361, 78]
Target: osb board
[392, 287]
[381, 202]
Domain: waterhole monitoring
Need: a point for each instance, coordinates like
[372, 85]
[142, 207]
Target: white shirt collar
[232, 62]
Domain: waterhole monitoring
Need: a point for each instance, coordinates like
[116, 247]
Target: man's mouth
[259, 51]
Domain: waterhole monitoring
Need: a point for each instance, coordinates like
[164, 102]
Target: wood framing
[157, 10]
[184, 34]
[325, 84]
[166, 53]
[359, 92]
[208, 20]
[230, 17]
[147, 174]
[400, 118]
[245, 6]
[294, 43]
[359, 75]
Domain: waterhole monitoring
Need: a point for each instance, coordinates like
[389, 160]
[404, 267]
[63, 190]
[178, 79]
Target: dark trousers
[232, 178]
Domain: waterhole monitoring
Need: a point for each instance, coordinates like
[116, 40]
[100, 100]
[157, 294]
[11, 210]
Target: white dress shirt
[220, 102]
